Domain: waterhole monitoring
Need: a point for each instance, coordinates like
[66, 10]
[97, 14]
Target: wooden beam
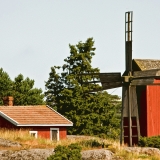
[134, 108]
[125, 101]
[128, 56]
[111, 85]
[110, 77]
[146, 73]
[144, 81]
[129, 115]
[111, 73]
[124, 111]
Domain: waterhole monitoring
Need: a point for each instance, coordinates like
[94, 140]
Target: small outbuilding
[41, 120]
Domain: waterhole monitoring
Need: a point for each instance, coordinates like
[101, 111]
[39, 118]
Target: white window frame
[51, 129]
[34, 132]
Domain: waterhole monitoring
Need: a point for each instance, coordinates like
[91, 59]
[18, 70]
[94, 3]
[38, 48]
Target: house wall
[153, 110]
[43, 132]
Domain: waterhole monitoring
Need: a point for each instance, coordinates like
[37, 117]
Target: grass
[135, 156]
[86, 142]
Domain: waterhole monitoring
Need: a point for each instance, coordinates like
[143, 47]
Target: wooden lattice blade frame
[107, 80]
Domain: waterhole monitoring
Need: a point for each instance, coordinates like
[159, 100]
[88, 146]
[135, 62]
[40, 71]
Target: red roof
[40, 115]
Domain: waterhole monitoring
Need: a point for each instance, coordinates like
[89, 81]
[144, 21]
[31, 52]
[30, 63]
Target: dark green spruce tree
[21, 89]
[24, 92]
[91, 114]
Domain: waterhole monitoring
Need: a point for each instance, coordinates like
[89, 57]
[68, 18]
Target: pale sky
[35, 34]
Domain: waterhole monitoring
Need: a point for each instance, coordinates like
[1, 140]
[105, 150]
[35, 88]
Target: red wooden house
[41, 120]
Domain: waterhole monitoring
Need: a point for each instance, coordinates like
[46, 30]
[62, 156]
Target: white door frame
[57, 129]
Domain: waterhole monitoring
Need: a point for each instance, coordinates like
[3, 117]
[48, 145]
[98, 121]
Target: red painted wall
[149, 110]
[45, 132]
[42, 131]
[153, 110]
[63, 133]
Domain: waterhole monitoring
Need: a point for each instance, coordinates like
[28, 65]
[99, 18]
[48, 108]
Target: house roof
[145, 64]
[40, 115]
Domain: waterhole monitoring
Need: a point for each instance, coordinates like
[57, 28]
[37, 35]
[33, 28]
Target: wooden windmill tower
[140, 89]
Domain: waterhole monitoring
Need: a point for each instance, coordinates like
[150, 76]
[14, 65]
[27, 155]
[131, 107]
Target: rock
[31, 154]
[97, 154]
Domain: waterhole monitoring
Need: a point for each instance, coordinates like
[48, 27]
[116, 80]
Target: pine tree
[24, 92]
[67, 95]
[21, 89]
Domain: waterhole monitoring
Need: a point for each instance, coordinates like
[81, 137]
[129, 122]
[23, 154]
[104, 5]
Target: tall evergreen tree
[24, 92]
[21, 89]
[67, 95]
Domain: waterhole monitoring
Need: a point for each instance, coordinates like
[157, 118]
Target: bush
[150, 142]
[70, 152]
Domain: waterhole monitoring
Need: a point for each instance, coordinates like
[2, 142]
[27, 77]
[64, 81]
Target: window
[54, 134]
[33, 133]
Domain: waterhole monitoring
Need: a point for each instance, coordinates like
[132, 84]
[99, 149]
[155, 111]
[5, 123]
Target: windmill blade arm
[111, 85]
[110, 80]
[110, 77]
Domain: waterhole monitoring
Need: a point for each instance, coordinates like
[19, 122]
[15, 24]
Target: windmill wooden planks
[109, 85]
[110, 80]
[147, 73]
[110, 77]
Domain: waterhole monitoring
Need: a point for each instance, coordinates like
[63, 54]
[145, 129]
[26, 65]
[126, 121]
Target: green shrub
[70, 152]
[150, 142]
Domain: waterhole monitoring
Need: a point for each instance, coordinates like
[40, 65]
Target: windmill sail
[110, 80]
[128, 40]
[107, 80]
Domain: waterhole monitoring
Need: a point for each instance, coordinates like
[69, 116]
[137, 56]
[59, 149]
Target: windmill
[137, 73]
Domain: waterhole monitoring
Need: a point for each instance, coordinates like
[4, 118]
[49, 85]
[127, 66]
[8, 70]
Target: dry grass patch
[27, 142]
[23, 137]
[125, 155]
